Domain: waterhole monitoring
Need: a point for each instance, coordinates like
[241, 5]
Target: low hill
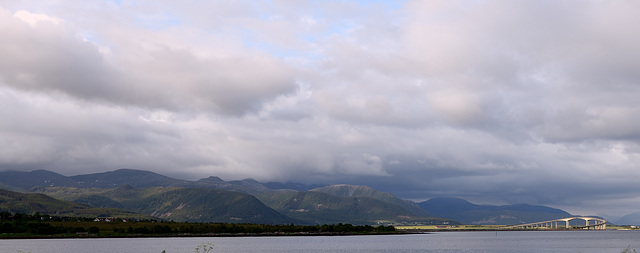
[178, 204]
[319, 208]
[469, 213]
[343, 190]
[30, 203]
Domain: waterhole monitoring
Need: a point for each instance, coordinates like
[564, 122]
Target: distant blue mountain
[629, 219]
[469, 213]
[19, 180]
[448, 208]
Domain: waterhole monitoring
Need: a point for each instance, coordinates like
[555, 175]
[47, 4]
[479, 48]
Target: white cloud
[480, 99]
[33, 18]
[142, 73]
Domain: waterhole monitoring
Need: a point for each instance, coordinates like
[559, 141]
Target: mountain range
[40, 203]
[21, 181]
[249, 201]
[469, 213]
[630, 219]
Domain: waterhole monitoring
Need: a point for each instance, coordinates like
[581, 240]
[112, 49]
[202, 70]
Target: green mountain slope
[249, 186]
[191, 204]
[318, 207]
[343, 190]
[469, 213]
[179, 204]
[30, 203]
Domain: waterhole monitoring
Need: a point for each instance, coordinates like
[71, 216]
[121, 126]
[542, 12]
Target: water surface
[443, 242]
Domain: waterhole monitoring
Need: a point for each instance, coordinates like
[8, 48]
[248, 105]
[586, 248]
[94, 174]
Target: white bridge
[590, 223]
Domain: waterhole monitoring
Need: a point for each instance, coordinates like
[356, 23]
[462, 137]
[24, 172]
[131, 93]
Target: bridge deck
[597, 224]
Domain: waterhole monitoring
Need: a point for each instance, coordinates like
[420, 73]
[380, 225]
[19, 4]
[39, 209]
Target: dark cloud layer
[494, 101]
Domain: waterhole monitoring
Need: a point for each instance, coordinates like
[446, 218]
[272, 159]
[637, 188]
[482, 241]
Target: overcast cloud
[493, 101]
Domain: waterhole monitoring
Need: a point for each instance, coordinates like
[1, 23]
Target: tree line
[23, 224]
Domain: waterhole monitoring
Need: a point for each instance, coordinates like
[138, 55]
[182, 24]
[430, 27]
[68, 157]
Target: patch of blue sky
[95, 39]
[311, 38]
[270, 48]
[279, 51]
[390, 4]
[395, 4]
[88, 35]
[341, 28]
[157, 22]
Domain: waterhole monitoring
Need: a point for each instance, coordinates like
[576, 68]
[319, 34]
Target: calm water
[446, 242]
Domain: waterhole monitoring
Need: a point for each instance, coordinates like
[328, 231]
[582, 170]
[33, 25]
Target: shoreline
[498, 230]
[277, 234]
[96, 236]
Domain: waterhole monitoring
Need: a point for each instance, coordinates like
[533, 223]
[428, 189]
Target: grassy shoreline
[493, 228]
[82, 236]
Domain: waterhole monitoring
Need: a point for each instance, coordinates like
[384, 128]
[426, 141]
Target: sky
[497, 102]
